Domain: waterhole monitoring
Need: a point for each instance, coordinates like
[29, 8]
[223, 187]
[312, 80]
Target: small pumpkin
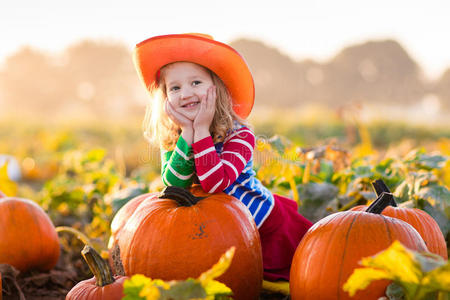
[332, 248]
[424, 224]
[181, 233]
[103, 286]
[28, 239]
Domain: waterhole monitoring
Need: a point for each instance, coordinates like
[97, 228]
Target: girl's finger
[211, 102]
[204, 102]
[214, 97]
[207, 99]
[211, 98]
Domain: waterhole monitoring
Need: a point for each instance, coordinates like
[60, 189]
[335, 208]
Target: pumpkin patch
[88, 186]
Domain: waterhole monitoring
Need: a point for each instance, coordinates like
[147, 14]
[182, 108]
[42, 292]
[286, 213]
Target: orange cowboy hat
[156, 52]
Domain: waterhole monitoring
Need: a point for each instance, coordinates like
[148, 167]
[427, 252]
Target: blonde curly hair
[160, 131]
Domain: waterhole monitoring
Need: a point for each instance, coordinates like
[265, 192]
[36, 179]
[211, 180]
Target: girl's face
[186, 85]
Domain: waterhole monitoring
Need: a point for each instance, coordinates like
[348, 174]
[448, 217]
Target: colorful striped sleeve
[178, 165]
[215, 172]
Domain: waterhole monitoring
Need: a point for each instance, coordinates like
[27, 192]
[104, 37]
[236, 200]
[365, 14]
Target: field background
[71, 129]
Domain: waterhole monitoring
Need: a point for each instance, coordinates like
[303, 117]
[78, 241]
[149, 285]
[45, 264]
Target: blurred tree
[95, 79]
[30, 82]
[442, 89]
[377, 72]
[102, 77]
[275, 74]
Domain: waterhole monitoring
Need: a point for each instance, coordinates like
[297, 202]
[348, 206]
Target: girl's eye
[174, 88]
[196, 82]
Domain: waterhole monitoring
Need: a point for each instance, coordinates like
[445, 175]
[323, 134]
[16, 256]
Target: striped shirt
[226, 167]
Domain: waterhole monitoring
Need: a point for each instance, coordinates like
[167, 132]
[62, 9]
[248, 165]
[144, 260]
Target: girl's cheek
[172, 100]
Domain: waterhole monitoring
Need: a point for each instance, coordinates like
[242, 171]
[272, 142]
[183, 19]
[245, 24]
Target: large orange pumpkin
[424, 224]
[332, 248]
[103, 286]
[181, 234]
[28, 239]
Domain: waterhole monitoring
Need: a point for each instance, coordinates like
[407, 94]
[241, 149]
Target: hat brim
[154, 53]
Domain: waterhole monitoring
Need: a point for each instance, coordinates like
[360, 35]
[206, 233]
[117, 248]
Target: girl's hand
[205, 115]
[176, 117]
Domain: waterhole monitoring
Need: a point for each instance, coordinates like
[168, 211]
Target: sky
[316, 29]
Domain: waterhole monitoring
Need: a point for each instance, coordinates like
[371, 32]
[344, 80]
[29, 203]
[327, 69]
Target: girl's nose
[186, 92]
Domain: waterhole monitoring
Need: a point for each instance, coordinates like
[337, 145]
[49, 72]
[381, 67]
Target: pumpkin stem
[383, 201]
[381, 187]
[99, 267]
[179, 194]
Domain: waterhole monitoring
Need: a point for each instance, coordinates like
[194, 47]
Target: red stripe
[208, 161]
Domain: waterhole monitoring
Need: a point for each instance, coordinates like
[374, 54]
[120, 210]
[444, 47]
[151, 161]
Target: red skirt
[280, 234]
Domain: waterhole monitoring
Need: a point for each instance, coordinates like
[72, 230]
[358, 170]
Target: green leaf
[403, 192]
[439, 277]
[184, 290]
[326, 171]
[279, 143]
[438, 215]
[424, 161]
[395, 292]
[429, 261]
[436, 194]
[315, 199]
[364, 171]
[121, 197]
[384, 166]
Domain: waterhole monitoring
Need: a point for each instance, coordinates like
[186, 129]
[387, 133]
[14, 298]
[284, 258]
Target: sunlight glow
[301, 29]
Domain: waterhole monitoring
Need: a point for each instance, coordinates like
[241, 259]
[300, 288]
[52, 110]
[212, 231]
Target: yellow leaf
[276, 287]
[418, 274]
[219, 268]
[396, 260]
[213, 288]
[150, 292]
[361, 278]
[307, 172]
[7, 186]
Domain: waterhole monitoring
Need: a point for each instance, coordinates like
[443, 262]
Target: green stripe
[178, 164]
[171, 179]
[183, 146]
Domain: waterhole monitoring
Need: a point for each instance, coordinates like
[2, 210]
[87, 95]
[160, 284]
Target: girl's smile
[186, 84]
[192, 104]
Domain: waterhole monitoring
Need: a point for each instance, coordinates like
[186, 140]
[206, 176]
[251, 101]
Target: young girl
[202, 92]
